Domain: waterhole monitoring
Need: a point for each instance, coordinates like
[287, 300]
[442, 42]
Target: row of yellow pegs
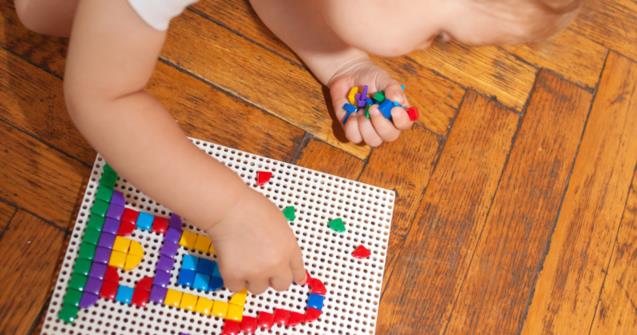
[196, 241]
[232, 310]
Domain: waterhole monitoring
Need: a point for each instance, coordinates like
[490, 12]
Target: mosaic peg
[263, 177]
[290, 213]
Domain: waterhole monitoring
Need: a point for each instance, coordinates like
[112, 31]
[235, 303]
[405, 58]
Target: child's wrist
[232, 204]
[347, 66]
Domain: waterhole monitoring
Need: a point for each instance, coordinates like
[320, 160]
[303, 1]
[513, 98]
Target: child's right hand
[255, 246]
[377, 129]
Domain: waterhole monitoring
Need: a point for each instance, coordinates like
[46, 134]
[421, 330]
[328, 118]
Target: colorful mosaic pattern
[107, 248]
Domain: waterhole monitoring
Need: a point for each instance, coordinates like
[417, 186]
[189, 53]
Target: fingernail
[373, 111]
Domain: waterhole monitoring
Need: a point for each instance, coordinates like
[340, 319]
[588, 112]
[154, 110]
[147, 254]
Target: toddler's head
[396, 27]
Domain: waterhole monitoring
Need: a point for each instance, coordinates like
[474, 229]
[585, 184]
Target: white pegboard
[353, 285]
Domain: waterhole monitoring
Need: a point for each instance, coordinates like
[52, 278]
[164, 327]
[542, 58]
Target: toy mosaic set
[132, 267]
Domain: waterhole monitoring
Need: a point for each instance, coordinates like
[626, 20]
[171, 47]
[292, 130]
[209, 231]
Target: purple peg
[165, 263]
[88, 299]
[175, 221]
[97, 270]
[173, 235]
[93, 285]
[118, 199]
[364, 94]
[102, 255]
[157, 294]
[106, 241]
[169, 249]
[115, 211]
[162, 278]
[110, 226]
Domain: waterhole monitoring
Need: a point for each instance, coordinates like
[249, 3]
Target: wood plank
[6, 213]
[404, 166]
[45, 51]
[32, 100]
[571, 279]
[511, 247]
[436, 96]
[30, 252]
[216, 116]
[241, 18]
[323, 157]
[490, 70]
[38, 178]
[433, 257]
[188, 99]
[269, 81]
[570, 54]
[610, 23]
[617, 308]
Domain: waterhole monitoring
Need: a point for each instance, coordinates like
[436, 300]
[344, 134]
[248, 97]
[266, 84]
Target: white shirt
[158, 13]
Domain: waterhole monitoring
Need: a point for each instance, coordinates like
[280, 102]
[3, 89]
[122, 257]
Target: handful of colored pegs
[359, 99]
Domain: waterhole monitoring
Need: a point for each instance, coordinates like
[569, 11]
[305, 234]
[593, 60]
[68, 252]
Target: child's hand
[256, 248]
[377, 129]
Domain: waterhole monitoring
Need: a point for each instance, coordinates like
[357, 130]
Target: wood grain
[239, 17]
[435, 253]
[282, 88]
[39, 178]
[30, 252]
[6, 213]
[574, 270]
[617, 309]
[404, 166]
[32, 100]
[323, 157]
[610, 23]
[436, 96]
[569, 53]
[214, 115]
[511, 247]
[490, 70]
[44, 51]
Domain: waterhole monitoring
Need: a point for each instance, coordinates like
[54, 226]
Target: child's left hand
[377, 129]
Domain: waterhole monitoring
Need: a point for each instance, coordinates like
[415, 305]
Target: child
[113, 49]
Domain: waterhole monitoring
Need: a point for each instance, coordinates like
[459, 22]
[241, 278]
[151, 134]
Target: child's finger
[394, 92]
[400, 118]
[351, 129]
[235, 284]
[299, 275]
[384, 128]
[258, 285]
[281, 281]
[338, 91]
[368, 133]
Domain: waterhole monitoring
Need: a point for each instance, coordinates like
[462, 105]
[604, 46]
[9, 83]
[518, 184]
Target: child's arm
[336, 64]
[111, 55]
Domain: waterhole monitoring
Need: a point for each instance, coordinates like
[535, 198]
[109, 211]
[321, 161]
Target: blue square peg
[315, 301]
[124, 294]
[144, 221]
[186, 277]
[201, 282]
[189, 262]
[205, 266]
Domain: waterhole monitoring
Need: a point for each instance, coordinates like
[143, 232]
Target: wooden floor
[517, 190]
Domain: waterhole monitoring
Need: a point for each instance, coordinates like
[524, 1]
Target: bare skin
[110, 61]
